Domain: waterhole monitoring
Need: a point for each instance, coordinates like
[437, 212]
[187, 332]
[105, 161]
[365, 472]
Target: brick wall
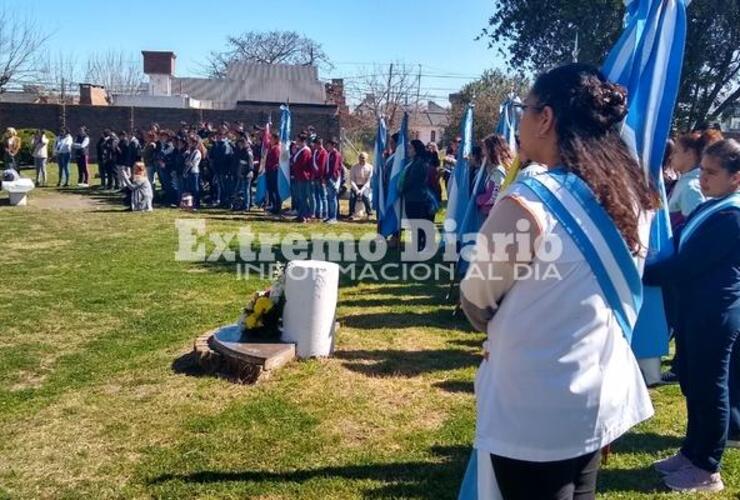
[97, 118]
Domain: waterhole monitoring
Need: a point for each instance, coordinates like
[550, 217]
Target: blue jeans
[192, 185]
[710, 360]
[353, 201]
[245, 185]
[273, 192]
[320, 201]
[63, 159]
[332, 201]
[303, 198]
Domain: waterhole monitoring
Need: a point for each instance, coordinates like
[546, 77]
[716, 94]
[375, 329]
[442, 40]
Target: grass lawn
[95, 310]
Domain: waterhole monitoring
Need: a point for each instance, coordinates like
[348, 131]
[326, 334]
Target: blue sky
[435, 33]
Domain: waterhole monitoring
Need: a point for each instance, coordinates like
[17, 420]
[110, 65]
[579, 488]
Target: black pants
[573, 479]
[416, 210]
[273, 192]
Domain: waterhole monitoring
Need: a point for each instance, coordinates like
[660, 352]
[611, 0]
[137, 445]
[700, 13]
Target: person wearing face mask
[704, 274]
[559, 380]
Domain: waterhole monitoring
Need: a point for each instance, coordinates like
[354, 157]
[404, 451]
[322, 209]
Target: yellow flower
[263, 305]
[251, 321]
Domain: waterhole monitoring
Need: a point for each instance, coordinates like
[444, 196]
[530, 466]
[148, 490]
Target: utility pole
[418, 92]
[388, 91]
[64, 105]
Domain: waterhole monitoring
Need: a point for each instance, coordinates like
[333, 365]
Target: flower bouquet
[263, 316]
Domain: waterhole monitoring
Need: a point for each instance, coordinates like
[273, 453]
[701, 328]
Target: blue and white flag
[647, 60]
[390, 222]
[284, 171]
[379, 162]
[458, 193]
[508, 122]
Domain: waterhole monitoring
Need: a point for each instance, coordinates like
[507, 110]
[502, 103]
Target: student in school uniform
[704, 275]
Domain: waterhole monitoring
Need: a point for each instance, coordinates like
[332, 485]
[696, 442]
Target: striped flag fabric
[647, 60]
[284, 170]
[458, 193]
[261, 192]
[390, 222]
[508, 122]
[379, 163]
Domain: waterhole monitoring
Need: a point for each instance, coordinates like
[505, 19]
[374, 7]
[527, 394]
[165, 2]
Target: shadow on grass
[456, 386]
[435, 479]
[624, 481]
[397, 321]
[646, 442]
[388, 363]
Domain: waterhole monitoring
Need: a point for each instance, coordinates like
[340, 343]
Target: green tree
[486, 93]
[539, 34]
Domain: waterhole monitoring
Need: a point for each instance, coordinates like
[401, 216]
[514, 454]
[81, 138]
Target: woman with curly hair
[554, 282]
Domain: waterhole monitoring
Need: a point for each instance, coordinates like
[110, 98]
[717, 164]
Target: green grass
[95, 310]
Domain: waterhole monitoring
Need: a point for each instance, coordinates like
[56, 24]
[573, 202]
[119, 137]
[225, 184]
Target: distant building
[427, 124]
[731, 120]
[243, 82]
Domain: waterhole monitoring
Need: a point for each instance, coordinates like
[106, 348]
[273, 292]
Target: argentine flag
[284, 171]
[508, 122]
[390, 222]
[647, 60]
[379, 162]
[458, 194]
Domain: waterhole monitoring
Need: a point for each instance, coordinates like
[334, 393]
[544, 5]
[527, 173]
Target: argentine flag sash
[574, 206]
[704, 213]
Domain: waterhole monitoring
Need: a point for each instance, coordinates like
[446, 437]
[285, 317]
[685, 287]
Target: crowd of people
[218, 165]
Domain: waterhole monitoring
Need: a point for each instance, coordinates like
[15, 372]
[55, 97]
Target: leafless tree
[387, 91]
[119, 72]
[21, 38]
[269, 47]
[60, 73]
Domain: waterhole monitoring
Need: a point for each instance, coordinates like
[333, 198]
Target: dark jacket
[414, 184]
[221, 156]
[703, 279]
[243, 162]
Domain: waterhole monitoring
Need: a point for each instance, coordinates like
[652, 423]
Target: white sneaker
[692, 479]
[733, 443]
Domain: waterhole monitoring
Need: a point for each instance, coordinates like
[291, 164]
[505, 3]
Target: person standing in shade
[147, 156]
[244, 171]
[81, 149]
[40, 155]
[63, 154]
[272, 172]
[220, 160]
[333, 181]
[100, 152]
[704, 275]
[320, 158]
[558, 380]
[415, 194]
[360, 176]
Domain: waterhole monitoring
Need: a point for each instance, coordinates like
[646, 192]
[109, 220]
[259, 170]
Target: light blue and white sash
[575, 207]
[704, 213]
